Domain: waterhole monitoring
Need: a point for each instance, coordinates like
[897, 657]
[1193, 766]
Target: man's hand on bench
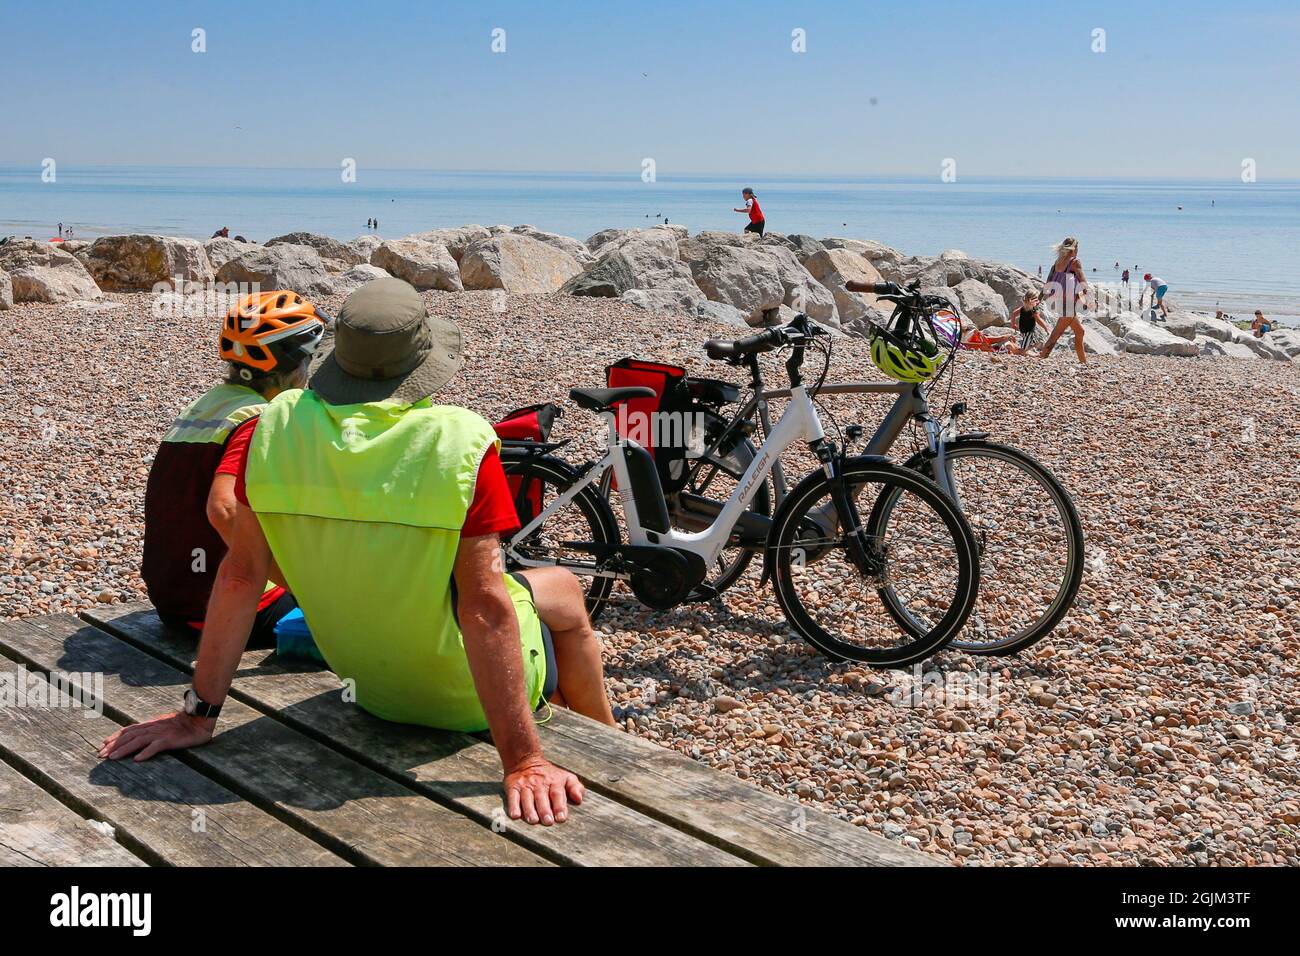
[168, 732]
[541, 792]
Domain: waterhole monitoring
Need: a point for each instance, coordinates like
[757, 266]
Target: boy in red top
[756, 221]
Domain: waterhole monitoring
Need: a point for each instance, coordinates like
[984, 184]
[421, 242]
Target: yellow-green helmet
[913, 359]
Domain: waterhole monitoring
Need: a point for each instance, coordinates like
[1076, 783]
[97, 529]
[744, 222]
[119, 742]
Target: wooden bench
[297, 776]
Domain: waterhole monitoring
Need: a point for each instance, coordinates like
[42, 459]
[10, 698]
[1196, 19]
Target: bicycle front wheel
[1030, 539]
[919, 555]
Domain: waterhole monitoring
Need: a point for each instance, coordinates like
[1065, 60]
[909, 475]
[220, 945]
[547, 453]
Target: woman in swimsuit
[1065, 286]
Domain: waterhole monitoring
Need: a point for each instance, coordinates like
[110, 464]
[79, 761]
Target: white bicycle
[855, 548]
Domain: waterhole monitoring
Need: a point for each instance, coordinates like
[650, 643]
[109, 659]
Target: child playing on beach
[1261, 326]
[1025, 319]
[1158, 288]
[756, 221]
[1066, 285]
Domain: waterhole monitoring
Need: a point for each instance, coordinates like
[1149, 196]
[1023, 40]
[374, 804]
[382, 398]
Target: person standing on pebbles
[189, 499]
[1066, 285]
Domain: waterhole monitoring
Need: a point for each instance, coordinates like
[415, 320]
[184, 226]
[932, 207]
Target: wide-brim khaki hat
[384, 346]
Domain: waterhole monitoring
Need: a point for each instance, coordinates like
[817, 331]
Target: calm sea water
[1221, 242]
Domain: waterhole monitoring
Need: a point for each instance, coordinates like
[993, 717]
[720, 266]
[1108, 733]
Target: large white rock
[661, 239]
[366, 244]
[634, 264]
[832, 268]
[425, 265]
[664, 300]
[220, 250]
[1189, 325]
[749, 279]
[358, 276]
[456, 238]
[6, 291]
[564, 243]
[803, 293]
[42, 272]
[285, 266]
[721, 312]
[139, 263]
[1143, 338]
[338, 256]
[516, 263]
[1212, 347]
[1288, 340]
[980, 305]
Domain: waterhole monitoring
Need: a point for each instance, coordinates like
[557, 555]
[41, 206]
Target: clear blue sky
[1184, 89]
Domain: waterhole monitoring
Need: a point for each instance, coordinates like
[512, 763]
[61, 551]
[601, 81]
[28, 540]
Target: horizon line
[689, 174]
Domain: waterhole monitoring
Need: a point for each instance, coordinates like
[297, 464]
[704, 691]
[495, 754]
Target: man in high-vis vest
[267, 338]
[382, 512]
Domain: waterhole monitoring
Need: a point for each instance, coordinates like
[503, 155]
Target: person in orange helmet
[268, 339]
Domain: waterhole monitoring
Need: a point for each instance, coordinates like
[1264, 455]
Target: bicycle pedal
[703, 592]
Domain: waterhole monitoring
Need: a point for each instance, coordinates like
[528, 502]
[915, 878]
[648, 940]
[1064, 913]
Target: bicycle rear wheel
[921, 556]
[1031, 545]
[587, 518]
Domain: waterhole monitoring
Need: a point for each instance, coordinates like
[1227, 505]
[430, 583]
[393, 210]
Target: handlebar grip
[885, 288]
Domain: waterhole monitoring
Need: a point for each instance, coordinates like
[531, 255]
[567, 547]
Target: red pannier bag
[532, 423]
[671, 396]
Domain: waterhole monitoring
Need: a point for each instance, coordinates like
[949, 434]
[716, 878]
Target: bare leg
[1052, 339]
[1078, 342]
[559, 601]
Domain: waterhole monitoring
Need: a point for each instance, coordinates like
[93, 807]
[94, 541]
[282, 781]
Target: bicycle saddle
[600, 399]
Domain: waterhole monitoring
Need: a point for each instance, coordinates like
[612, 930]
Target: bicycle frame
[799, 423]
[912, 404]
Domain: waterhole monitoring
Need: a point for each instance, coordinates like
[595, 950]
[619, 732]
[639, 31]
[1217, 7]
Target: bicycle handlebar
[795, 333]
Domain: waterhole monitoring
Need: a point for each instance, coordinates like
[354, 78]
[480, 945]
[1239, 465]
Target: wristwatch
[196, 706]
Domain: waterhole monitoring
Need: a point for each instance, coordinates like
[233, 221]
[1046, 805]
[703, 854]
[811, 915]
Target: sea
[1217, 243]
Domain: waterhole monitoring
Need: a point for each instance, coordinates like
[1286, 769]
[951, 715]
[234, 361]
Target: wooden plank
[454, 769]
[715, 807]
[358, 814]
[37, 830]
[167, 812]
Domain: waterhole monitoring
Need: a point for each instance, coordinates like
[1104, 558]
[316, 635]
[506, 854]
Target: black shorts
[552, 680]
[757, 227]
[263, 633]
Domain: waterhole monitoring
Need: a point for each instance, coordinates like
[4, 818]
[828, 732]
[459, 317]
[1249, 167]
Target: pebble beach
[1158, 724]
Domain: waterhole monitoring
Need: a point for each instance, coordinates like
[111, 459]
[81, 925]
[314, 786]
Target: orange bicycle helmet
[271, 330]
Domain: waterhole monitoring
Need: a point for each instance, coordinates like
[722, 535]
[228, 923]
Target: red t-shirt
[492, 509]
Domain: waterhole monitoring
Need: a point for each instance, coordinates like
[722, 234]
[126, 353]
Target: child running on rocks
[756, 221]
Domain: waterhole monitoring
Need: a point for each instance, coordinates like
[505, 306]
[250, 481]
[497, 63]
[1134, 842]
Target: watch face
[191, 701]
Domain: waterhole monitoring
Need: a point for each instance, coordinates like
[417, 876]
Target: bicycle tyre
[783, 543]
[1064, 598]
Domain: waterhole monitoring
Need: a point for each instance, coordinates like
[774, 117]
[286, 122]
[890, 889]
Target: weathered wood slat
[716, 807]
[358, 814]
[452, 767]
[165, 811]
[37, 830]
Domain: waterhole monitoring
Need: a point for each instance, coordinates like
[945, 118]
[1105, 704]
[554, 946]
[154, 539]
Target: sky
[1186, 89]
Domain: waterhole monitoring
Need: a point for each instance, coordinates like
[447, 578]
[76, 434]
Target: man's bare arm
[535, 789]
